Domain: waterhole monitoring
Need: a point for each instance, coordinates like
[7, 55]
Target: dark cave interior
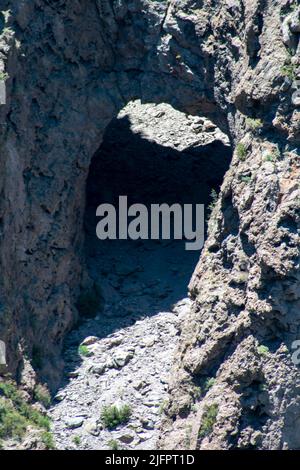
[155, 272]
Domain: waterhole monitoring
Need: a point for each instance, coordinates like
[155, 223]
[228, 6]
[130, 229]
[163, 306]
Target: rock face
[71, 67]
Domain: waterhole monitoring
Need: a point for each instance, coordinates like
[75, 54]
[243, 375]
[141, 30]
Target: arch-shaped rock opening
[152, 154]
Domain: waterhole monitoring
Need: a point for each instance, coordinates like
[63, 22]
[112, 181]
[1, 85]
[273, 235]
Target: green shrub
[287, 9]
[77, 440]
[47, 440]
[245, 179]
[270, 157]
[10, 391]
[114, 415]
[197, 392]
[208, 420]
[16, 415]
[241, 151]
[254, 124]
[187, 439]
[12, 423]
[3, 76]
[162, 407]
[288, 71]
[263, 350]
[42, 395]
[209, 382]
[113, 444]
[84, 351]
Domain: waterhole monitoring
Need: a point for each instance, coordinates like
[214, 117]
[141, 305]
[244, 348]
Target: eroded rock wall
[72, 66]
[238, 386]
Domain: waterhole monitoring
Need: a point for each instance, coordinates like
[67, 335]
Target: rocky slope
[72, 66]
[128, 368]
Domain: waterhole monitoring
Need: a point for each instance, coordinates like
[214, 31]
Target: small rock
[139, 385]
[295, 22]
[73, 423]
[115, 341]
[89, 340]
[145, 436]
[110, 363]
[98, 369]
[60, 396]
[91, 427]
[126, 438]
[159, 114]
[73, 374]
[296, 98]
[147, 424]
[148, 342]
[209, 126]
[122, 357]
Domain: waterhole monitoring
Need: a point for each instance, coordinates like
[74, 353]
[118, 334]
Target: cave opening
[122, 354]
[153, 154]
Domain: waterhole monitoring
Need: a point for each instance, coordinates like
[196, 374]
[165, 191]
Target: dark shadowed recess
[148, 173]
[135, 279]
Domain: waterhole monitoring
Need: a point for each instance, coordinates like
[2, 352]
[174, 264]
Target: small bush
[270, 157]
[254, 124]
[197, 392]
[162, 407]
[10, 391]
[263, 350]
[16, 415]
[241, 151]
[84, 351]
[113, 444]
[77, 440]
[42, 395]
[209, 383]
[47, 440]
[245, 179]
[114, 415]
[208, 420]
[287, 9]
[3, 76]
[187, 439]
[289, 71]
[12, 424]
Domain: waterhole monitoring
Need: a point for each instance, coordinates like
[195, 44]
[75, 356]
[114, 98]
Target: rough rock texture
[72, 66]
[130, 367]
